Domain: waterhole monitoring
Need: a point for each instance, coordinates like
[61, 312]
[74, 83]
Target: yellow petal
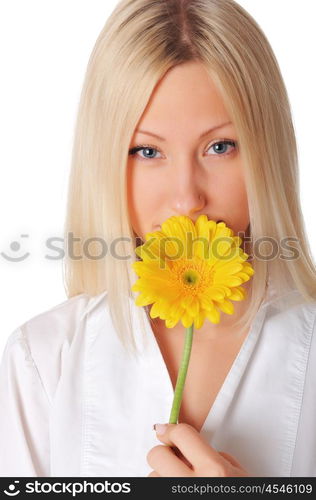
[224, 289]
[230, 267]
[222, 230]
[243, 276]
[201, 244]
[186, 320]
[222, 247]
[213, 315]
[226, 306]
[150, 269]
[143, 300]
[176, 317]
[247, 268]
[199, 320]
[164, 308]
[229, 281]
[237, 241]
[186, 300]
[136, 287]
[202, 227]
[237, 293]
[164, 245]
[145, 249]
[179, 227]
[214, 294]
[170, 323]
[176, 308]
[212, 228]
[155, 310]
[194, 308]
[206, 303]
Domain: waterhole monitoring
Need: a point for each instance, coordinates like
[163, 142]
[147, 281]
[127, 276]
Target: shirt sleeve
[24, 412]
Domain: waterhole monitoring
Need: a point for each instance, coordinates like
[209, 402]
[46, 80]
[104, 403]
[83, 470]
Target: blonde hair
[140, 42]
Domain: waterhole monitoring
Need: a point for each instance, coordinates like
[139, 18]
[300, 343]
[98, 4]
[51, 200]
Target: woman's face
[182, 166]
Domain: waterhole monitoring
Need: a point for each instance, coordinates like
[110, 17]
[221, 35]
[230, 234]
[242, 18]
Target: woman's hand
[193, 456]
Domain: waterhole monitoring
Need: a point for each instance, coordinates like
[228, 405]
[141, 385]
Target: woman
[183, 111]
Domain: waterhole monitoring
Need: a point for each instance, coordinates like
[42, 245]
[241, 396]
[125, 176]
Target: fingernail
[160, 428]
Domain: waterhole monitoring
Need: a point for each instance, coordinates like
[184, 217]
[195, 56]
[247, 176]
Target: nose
[186, 192]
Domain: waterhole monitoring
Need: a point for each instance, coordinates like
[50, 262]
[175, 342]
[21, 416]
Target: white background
[45, 47]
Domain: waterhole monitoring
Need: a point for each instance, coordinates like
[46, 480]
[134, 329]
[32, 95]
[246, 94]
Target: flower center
[190, 277]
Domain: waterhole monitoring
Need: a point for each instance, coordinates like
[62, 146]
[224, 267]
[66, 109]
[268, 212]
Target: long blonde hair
[139, 43]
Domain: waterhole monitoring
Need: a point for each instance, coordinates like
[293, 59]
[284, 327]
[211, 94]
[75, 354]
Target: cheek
[141, 191]
[238, 203]
[231, 198]
[235, 193]
[145, 196]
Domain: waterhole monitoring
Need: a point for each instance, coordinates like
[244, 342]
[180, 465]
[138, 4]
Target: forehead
[185, 95]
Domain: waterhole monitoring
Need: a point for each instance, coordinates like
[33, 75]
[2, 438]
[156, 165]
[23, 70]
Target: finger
[153, 474]
[181, 456]
[231, 459]
[163, 460]
[192, 445]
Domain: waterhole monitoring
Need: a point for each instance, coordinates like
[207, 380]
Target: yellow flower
[191, 271]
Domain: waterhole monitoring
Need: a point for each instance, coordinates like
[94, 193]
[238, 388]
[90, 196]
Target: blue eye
[149, 151]
[221, 147]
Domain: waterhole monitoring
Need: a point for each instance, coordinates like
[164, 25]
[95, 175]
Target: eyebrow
[146, 132]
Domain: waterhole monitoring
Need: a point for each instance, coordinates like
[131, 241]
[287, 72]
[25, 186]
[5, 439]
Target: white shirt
[73, 404]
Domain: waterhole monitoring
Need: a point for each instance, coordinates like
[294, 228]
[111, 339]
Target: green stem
[175, 410]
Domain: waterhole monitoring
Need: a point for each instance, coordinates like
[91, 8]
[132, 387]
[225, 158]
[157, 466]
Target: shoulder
[292, 316]
[291, 305]
[42, 341]
[58, 324]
